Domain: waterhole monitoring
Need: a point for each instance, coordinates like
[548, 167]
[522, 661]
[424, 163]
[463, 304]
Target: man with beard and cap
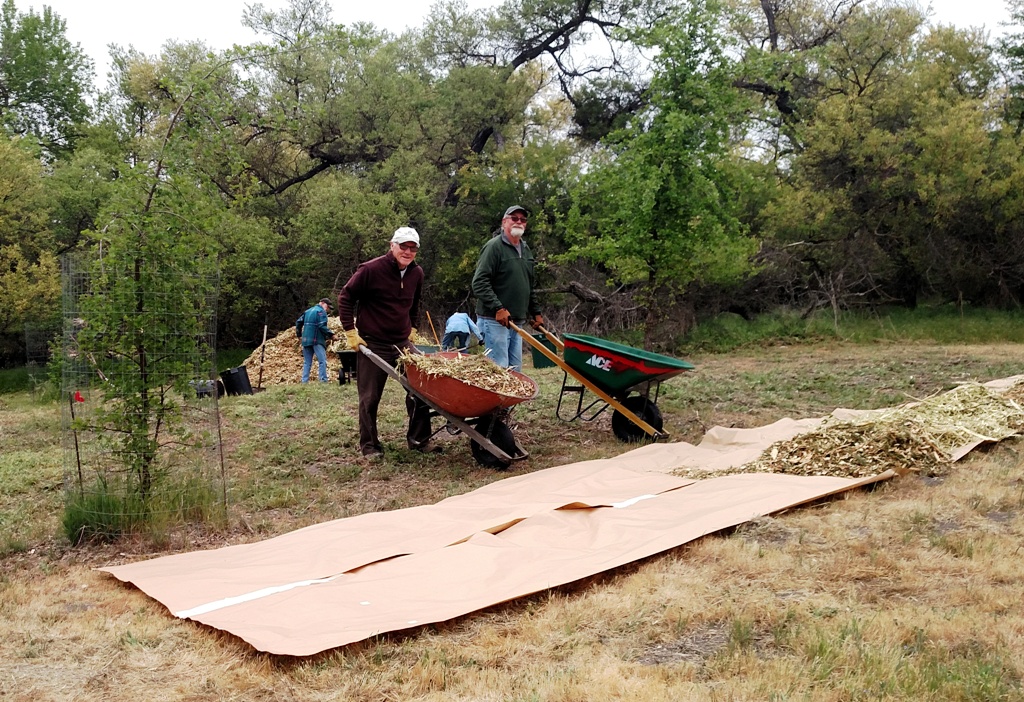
[503, 284]
[383, 296]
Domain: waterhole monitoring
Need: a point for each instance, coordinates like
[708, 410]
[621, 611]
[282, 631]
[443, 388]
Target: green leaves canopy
[660, 211]
[44, 79]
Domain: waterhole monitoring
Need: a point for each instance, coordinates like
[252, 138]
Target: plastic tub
[236, 381]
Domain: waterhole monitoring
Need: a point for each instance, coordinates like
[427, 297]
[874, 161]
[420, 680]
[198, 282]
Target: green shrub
[231, 358]
[15, 379]
[730, 331]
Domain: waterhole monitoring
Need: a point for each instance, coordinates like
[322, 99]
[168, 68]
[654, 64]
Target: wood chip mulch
[918, 437]
[281, 359]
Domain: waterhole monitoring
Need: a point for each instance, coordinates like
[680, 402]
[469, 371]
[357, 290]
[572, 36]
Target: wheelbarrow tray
[616, 368]
[460, 421]
[459, 398]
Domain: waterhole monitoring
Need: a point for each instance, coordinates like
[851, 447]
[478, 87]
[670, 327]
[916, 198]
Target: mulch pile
[918, 437]
[282, 357]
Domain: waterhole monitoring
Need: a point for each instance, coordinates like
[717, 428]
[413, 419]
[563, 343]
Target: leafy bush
[730, 331]
[231, 358]
[14, 380]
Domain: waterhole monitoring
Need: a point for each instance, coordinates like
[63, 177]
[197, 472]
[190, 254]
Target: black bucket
[347, 372]
[236, 381]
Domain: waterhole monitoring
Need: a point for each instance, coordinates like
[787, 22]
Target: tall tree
[1012, 48]
[902, 185]
[582, 45]
[44, 78]
[29, 284]
[660, 213]
[142, 332]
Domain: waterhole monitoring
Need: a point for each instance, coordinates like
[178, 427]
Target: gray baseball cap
[517, 208]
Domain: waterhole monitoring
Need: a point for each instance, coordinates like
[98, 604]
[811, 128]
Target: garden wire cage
[140, 420]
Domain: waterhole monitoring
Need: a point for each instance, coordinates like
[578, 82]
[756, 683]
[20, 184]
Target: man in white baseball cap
[406, 235]
[384, 294]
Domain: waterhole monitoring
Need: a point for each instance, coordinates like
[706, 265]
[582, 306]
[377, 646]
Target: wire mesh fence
[39, 339]
[140, 419]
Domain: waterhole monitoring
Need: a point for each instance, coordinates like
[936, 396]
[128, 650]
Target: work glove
[537, 322]
[502, 317]
[353, 339]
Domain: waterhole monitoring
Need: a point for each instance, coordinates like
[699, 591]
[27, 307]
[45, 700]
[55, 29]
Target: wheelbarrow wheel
[642, 407]
[500, 435]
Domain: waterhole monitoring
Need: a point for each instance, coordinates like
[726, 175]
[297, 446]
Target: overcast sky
[95, 24]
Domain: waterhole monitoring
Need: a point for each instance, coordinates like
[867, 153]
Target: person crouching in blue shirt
[457, 331]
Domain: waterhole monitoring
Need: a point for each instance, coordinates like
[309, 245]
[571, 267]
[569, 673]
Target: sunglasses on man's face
[517, 218]
[409, 247]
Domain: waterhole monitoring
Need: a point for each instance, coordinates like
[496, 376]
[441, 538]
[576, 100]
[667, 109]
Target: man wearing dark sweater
[383, 297]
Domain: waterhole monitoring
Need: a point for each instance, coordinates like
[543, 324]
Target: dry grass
[909, 592]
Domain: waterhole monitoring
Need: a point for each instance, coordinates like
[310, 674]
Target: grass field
[911, 591]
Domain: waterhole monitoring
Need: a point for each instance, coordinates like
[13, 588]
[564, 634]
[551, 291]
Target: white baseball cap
[404, 235]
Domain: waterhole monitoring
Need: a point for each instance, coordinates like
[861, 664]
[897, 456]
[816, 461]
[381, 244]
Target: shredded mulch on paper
[282, 357]
[1015, 393]
[919, 437]
[474, 370]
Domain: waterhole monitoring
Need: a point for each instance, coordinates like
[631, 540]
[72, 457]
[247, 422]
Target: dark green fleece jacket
[504, 278]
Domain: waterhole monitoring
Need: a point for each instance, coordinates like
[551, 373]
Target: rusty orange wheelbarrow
[468, 409]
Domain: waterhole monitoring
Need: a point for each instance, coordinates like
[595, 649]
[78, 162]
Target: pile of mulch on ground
[475, 370]
[919, 437]
[282, 357]
[1015, 393]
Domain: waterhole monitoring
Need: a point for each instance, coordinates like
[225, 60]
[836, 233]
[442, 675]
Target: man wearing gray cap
[383, 296]
[503, 284]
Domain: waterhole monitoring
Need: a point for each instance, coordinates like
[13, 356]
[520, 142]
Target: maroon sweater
[386, 303]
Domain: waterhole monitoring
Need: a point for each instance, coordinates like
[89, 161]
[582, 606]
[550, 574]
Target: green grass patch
[943, 324]
[34, 379]
[108, 510]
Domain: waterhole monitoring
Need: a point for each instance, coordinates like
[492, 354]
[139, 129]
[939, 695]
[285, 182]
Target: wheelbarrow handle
[384, 366]
[551, 355]
[559, 344]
